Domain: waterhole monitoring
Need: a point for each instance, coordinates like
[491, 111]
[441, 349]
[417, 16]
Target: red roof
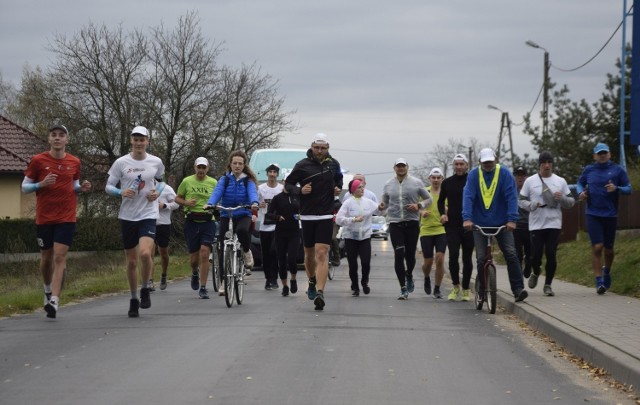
[17, 146]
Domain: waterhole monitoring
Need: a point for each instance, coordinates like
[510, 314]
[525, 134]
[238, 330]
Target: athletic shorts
[602, 230]
[55, 233]
[132, 231]
[429, 242]
[163, 232]
[318, 231]
[199, 234]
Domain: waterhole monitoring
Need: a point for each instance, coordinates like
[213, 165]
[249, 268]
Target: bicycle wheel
[332, 271]
[228, 280]
[491, 292]
[239, 279]
[478, 291]
[215, 267]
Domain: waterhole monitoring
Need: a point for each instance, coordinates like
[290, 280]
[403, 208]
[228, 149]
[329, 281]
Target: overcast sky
[382, 79]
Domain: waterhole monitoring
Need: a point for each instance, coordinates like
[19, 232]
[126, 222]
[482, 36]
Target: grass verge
[21, 288]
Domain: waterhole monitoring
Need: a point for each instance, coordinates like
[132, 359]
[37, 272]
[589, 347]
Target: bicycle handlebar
[230, 209]
[482, 229]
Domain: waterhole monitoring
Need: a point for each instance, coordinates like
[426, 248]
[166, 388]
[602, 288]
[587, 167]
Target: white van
[284, 158]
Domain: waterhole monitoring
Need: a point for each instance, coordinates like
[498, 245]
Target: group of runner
[438, 217]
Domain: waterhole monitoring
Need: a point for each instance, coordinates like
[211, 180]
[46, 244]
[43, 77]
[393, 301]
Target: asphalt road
[277, 350]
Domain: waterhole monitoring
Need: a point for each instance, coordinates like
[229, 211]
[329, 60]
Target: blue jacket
[594, 178]
[231, 192]
[503, 208]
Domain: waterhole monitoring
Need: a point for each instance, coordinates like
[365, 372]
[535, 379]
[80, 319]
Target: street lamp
[545, 84]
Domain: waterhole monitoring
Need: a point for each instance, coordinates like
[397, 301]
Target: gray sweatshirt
[396, 196]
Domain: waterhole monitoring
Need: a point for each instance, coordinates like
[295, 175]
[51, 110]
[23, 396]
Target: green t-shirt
[201, 190]
[431, 226]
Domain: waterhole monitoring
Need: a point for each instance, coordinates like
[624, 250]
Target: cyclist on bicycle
[238, 186]
[490, 199]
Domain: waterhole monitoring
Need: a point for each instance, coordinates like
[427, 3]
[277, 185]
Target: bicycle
[233, 271]
[486, 286]
[216, 274]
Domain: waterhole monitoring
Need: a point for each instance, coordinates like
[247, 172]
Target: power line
[599, 51]
[360, 150]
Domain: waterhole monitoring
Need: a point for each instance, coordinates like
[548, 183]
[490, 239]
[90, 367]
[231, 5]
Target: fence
[574, 220]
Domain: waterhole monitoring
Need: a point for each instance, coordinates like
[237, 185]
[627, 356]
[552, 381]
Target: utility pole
[545, 87]
[505, 131]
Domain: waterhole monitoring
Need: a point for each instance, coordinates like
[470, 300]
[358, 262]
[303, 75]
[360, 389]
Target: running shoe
[311, 292]
[466, 295]
[365, 288]
[600, 289]
[606, 277]
[203, 293]
[453, 295]
[410, 284]
[522, 294]
[163, 283]
[533, 280]
[274, 285]
[51, 308]
[152, 286]
[267, 285]
[47, 297]
[436, 292]
[247, 272]
[294, 286]
[285, 291]
[195, 280]
[404, 294]
[427, 285]
[319, 301]
[145, 298]
[355, 293]
[134, 304]
[547, 290]
[248, 259]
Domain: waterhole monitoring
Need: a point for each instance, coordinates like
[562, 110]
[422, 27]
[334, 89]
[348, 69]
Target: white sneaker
[248, 259]
[51, 308]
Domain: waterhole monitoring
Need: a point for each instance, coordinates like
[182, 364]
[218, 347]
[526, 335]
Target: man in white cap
[320, 180]
[140, 176]
[450, 207]
[401, 198]
[490, 199]
[600, 185]
[199, 226]
[54, 176]
[266, 192]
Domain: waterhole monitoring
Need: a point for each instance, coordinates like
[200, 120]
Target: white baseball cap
[140, 130]
[461, 156]
[487, 155]
[436, 172]
[320, 139]
[202, 161]
[400, 161]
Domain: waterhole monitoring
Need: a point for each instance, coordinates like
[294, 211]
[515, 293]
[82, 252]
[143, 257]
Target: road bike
[486, 289]
[233, 270]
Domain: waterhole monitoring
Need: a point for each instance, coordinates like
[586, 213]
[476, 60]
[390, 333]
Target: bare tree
[442, 155]
[8, 95]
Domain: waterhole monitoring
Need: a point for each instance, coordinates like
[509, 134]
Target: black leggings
[404, 239]
[287, 245]
[354, 249]
[457, 237]
[545, 240]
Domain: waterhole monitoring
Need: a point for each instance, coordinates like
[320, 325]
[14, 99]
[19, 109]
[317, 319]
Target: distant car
[379, 227]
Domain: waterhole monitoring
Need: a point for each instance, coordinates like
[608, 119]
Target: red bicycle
[486, 283]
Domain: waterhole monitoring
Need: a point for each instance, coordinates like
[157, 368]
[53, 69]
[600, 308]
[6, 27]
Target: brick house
[17, 146]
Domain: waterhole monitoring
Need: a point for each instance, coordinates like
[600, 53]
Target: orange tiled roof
[17, 146]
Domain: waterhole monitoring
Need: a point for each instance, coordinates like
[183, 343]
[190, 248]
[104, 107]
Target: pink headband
[354, 185]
